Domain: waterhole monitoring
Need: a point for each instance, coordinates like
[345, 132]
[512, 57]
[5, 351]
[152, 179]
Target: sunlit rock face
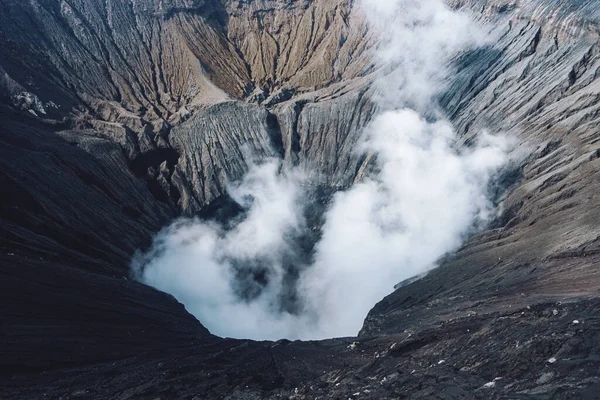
[119, 116]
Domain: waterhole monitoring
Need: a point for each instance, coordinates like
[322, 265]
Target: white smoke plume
[425, 196]
[197, 261]
[397, 224]
[417, 40]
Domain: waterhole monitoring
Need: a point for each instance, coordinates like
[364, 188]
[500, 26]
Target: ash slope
[119, 116]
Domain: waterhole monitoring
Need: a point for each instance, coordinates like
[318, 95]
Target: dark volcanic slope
[71, 216]
[118, 116]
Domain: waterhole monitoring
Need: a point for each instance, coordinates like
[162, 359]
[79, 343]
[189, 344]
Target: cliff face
[118, 116]
[132, 72]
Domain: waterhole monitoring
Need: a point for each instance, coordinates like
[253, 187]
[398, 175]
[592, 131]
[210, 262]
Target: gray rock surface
[217, 146]
[133, 71]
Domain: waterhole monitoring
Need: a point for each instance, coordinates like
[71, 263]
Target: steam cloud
[200, 263]
[246, 279]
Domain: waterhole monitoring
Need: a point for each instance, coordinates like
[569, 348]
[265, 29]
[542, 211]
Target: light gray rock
[217, 146]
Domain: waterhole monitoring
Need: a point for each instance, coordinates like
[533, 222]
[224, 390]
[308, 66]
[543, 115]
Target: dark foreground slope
[162, 99]
[70, 222]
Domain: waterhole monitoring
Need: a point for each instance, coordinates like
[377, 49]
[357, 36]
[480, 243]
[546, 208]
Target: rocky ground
[546, 350]
[119, 116]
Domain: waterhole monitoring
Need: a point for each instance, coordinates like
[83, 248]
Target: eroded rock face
[217, 146]
[132, 72]
[150, 107]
